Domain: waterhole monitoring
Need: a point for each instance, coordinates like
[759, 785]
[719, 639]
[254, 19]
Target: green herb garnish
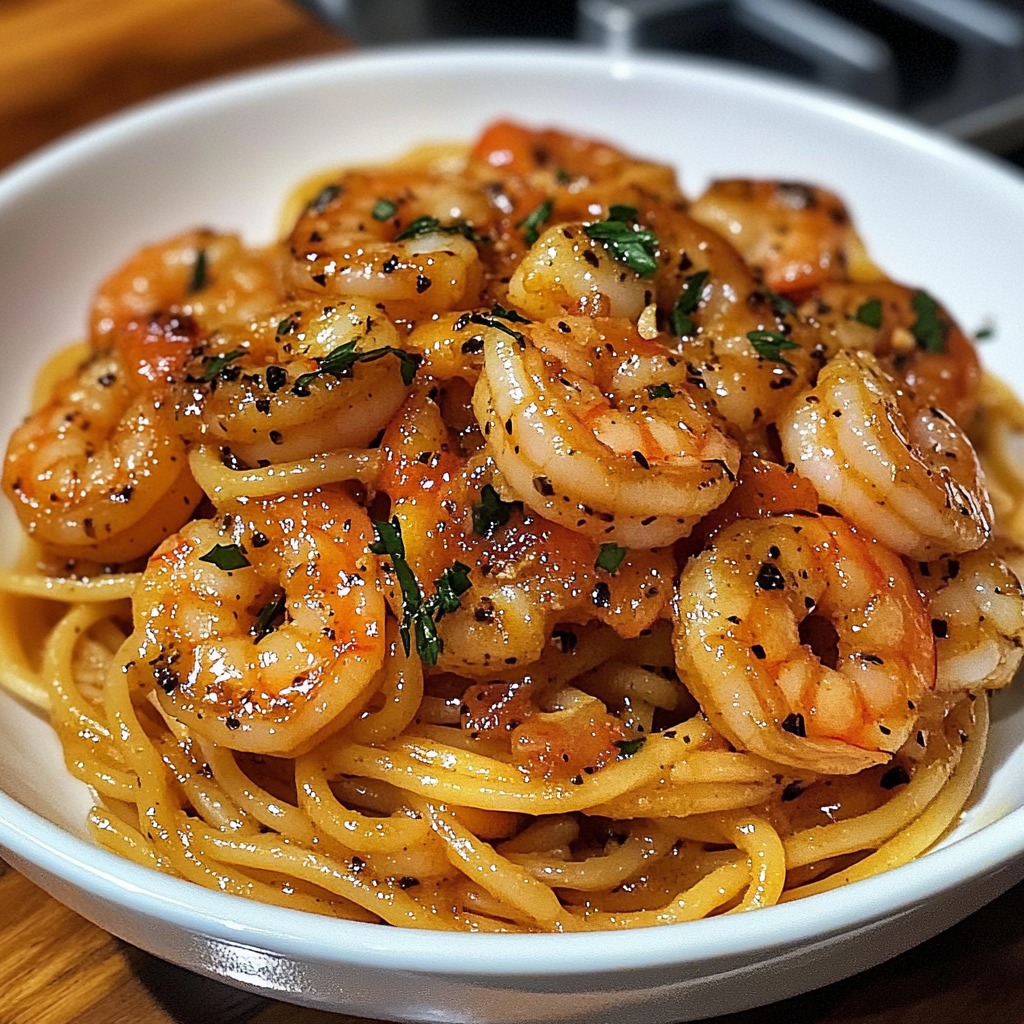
[494, 320]
[427, 225]
[509, 314]
[869, 313]
[627, 748]
[986, 332]
[535, 220]
[634, 246]
[420, 614]
[198, 281]
[930, 328]
[268, 619]
[610, 557]
[770, 345]
[490, 513]
[226, 557]
[214, 365]
[779, 303]
[660, 390]
[384, 209]
[688, 301]
[339, 362]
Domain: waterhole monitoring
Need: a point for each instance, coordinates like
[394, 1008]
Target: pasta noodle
[519, 545]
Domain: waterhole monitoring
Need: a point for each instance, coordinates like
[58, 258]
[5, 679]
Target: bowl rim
[29, 836]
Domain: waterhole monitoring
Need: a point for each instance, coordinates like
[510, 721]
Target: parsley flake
[490, 513]
[610, 557]
[636, 247]
[930, 328]
[384, 209]
[770, 345]
[269, 618]
[339, 362]
[986, 332]
[869, 313]
[535, 220]
[663, 390]
[428, 225]
[779, 303]
[200, 276]
[214, 365]
[226, 557]
[688, 301]
[420, 614]
[627, 748]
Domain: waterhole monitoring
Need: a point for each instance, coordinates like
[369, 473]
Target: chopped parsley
[226, 557]
[535, 220]
[214, 365]
[930, 328]
[494, 319]
[339, 362]
[771, 345]
[636, 247]
[269, 618]
[986, 332]
[200, 274]
[384, 209]
[869, 313]
[428, 225]
[663, 390]
[627, 748]
[688, 301]
[779, 303]
[610, 557]
[490, 513]
[420, 614]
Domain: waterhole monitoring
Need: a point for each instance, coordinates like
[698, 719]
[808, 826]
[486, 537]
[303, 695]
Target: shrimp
[434, 270]
[98, 471]
[915, 339]
[747, 347]
[302, 379]
[262, 629]
[795, 236]
[908, 475]
[211, 277]
[804, 642]
[528, 573]
[977, 617]
[595, 428]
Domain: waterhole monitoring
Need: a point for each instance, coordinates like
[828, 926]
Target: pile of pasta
[518, 544]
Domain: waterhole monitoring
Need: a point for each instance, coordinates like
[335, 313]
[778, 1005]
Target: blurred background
[954, 64]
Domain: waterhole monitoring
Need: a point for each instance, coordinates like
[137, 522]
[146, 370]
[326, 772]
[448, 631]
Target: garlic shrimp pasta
[518, 544]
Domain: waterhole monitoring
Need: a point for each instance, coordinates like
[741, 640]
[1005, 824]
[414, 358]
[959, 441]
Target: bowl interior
[932, 214]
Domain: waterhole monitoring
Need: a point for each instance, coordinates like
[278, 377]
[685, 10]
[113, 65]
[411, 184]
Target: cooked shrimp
[210, 276]
[436, 270]
[262, 629]
[795, 236]
[977, 616]
[303, 379]
[528, 573]
[99, 472]
[914, 338]
[804, 642]
[565, 271]
[907, 475]
[595, 428]
[748, 349]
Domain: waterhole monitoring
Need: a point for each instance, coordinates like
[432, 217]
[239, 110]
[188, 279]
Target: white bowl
[933, 213]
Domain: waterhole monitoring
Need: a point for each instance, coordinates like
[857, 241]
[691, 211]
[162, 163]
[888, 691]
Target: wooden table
[65, 63]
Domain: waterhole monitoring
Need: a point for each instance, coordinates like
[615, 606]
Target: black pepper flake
[422, 283]
[895, 776]
[542, 485]
[792, 790]
[577, 780]
[275, 437]
[232, 723]
[259, 540]
[566, 639]
[601, 595]
[408, 882]
[262, 405]
[795, 724]
[166, 678]
[758, 651]
[473, 346]
[277, 377]
[390, 265]
[769, 577]
[641, 461]
[940, 628]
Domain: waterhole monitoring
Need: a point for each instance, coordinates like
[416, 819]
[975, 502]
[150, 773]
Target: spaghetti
[516, 546]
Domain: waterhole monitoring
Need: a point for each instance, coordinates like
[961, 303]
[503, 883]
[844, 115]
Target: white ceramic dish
[933, 213]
